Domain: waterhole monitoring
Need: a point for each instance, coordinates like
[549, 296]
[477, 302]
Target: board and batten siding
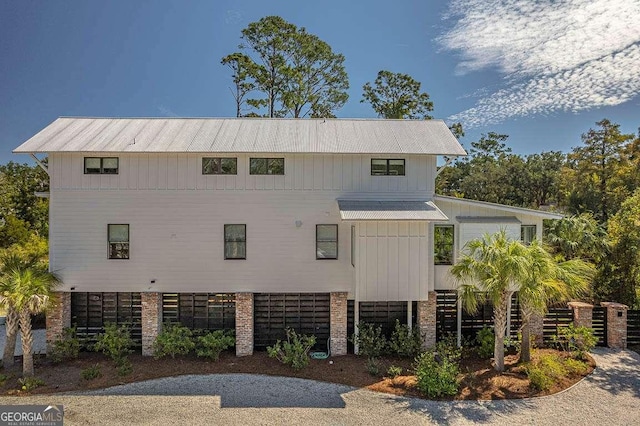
[345, 173]
[465, 232]
[392, 261]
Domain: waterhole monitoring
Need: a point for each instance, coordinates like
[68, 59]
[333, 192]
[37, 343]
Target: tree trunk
[11, 327]
[525, 350]
[27, 342]
[500, 324]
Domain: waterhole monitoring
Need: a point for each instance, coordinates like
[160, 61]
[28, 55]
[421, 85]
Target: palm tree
[28, 290]
[548, 282]
[492, 268]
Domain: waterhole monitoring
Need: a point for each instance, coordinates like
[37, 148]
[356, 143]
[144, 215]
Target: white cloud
[554, 55]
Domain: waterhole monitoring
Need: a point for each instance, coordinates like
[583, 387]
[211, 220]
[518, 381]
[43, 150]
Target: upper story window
[387, 167]
[527, 234]
[235, 241]
[118, 237]
[326, 241]
[443, 245]
[100, 165]
[219, 166]
[266, 166]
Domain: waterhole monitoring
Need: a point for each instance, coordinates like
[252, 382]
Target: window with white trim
[118, 240]
[326, 241]
[235, 241]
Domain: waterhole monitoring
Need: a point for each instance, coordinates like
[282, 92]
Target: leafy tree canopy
[397, 95]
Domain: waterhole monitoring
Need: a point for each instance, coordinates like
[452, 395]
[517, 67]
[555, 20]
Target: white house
[279, 216]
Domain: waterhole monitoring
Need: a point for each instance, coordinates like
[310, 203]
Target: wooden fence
[204, 311]
[633, 327]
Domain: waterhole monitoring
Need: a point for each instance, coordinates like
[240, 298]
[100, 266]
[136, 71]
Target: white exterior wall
[464, 232]
[177, 216]
[392, 261]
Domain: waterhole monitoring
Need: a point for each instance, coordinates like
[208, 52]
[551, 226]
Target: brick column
[536, 329]
[58, 316]
[338, 320]
[244, 324]
[426, 316]
[151, 320]
[616, 324]
[582, 314]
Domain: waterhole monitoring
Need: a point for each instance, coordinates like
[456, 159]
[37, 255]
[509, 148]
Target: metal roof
[255, 135]
[518, 210]
[389, 210]
[487, 219]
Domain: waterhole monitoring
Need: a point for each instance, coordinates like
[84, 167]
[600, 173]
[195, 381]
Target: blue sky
[542, 72]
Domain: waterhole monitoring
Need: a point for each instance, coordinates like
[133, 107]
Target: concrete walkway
[610, 396]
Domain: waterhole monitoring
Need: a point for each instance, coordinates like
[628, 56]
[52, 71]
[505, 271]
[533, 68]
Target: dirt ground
[478, 378]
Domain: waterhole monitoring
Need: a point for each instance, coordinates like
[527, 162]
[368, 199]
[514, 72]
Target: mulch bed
[478, 378]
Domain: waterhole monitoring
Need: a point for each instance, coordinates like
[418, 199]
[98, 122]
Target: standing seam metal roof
[251, 135]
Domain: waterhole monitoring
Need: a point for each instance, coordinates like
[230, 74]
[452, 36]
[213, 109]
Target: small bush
[67, 347]
[212, 344]
[545, 371]
[394, 371]
[125, 368]
[370, 341]
[27, 384]
[91, 373]
[448, 348]
[404, 341]
[3, 378]
[115, 342]
[577, 340]
[576, 367]
[486, 342]
[434, 377]
[173, 340]
[373, 366]
[295, 351]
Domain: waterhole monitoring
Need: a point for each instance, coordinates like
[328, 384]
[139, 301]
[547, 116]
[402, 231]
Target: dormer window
[387, 167]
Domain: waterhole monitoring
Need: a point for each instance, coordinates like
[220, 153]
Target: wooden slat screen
[204, 311]
[599, 324]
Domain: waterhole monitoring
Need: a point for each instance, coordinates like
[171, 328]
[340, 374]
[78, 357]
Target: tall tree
[397, 95]
[241, 69]
[489, 268]
[19, 183]
[296, 73]
[590, 176]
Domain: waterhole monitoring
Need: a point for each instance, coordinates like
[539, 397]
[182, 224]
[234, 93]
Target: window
[219, 166]
[384, 167]
[527, 234]
[326, 241]
[266, 166]
[443, 245]
[353, 246]
[235, 241]
[118, 236]
[100, 165]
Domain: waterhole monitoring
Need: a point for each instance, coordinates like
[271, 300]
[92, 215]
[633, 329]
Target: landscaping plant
[394, 371]
[115, 342]
[173, 340]
[212, 344]
[405, 341]
[29, 383]
[66, 347]
[545, 371]
[577, 340]
[486, 342]
[92, 372]
[437, 370]
[369, 340]
[294, 351]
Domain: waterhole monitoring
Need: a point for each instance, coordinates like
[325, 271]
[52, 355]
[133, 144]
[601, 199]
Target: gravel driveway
[610, 396]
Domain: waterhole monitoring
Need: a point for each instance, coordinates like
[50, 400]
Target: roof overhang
[373, 210]
[488, 219]
[500, 207]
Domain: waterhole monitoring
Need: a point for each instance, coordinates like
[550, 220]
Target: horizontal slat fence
[306, 313]
[446, 314]
[380, 314]
[91, 311]
[599, 324]
[200, 311]
[633, 327]
[556, 317]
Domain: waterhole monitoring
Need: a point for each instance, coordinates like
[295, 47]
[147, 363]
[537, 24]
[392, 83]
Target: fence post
[616, 324]
[582, 314]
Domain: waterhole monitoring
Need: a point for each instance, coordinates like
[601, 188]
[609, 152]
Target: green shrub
[577, 340]
[394, 371]
[436, 377]
[545, 371]
[27, 384]
[66, 347]
[486, 342]
[173, 340]
[115, 342]
[91, 373]
[404, 341]
[212, 344]
[575, 367]
[369, 340]
[3, 378]
[373, 366]
[295, 351]
[125, 368]
[448, 348]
